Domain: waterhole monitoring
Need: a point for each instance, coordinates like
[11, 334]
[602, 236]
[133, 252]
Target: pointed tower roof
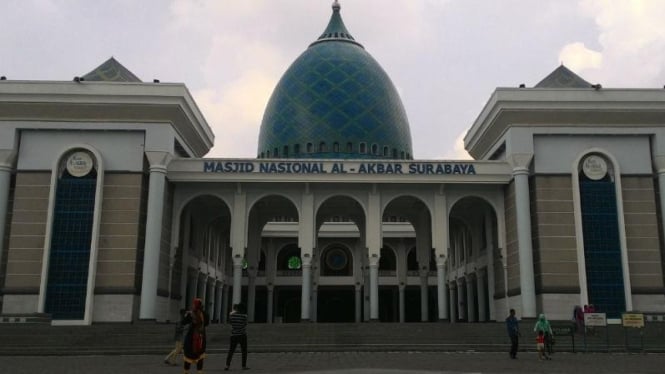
[562, 77]
[336, 30]
[111, 71]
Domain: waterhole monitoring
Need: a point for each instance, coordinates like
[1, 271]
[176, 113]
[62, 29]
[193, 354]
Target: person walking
[238, 321]
[512, 324]
[543, 325]
[195, 340]
[172, 357]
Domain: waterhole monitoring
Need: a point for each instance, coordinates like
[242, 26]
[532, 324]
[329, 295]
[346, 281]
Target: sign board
[563, 330]
[632, 320]
[79, 164]
[595, 319]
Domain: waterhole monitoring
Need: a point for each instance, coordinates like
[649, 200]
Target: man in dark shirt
[512, 324]
[238, 321]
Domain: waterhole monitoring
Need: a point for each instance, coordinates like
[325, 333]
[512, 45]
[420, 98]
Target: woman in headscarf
[544, 325]
[195, 339]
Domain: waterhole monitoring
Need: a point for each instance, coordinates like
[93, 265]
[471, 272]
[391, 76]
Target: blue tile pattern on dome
[335, 93]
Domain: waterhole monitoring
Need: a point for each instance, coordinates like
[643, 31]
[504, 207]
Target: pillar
[153, 233]
[358, 303]
[315, 302]
[269, 303]
[470, 299]
[424, 299]
[306, 288]
[482, 295]
[373, 243]
[452, 293]
[192, 286]
[251, 294]
[441, 290]
[461, 300]
[402, 304]
[219, 288]
[523, 215]
[237, 279]
[6, 166]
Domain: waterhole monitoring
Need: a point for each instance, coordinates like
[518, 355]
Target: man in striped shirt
[238, 321]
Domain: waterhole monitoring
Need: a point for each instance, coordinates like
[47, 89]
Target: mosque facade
[109, 211]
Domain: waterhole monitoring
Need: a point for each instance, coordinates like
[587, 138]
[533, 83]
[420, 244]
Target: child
[540, 346]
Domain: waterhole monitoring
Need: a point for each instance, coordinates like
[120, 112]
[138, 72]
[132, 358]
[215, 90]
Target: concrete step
[157, 338]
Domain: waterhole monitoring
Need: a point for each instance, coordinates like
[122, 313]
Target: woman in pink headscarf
[195, 339]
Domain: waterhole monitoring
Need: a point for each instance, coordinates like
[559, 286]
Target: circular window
[294, 263]
[336, 259]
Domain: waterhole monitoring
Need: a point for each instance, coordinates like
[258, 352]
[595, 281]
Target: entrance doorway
[336, 304]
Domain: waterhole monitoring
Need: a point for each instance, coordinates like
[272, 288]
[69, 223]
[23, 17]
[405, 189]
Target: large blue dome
[335, 101]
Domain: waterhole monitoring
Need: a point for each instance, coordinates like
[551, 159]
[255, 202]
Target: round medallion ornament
[594, 167]
[79, 164]
[294, 263]
[336, 259]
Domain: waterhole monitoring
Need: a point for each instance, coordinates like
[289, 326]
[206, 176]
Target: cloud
[578, 57]
[235, 113]
[458, 152]
[631, 35]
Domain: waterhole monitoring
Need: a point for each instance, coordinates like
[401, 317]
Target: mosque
[109, 211]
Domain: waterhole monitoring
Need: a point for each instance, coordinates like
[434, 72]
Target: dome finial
[336, 5]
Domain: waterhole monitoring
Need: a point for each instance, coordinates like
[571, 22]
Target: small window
[349, 147]
[285, 154]
[268, 154]
[408, 156]
[296, 149]
[263, 155]
[401, 155]
[322, 147]
[386, 151]
[395, 153]
[335, 147]
[275, 152]
[375, 149]
[309, 147]
[363, 148]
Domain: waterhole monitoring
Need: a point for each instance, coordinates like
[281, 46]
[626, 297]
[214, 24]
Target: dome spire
[336, 30]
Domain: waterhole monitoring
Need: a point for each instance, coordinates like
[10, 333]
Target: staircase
[157, 338]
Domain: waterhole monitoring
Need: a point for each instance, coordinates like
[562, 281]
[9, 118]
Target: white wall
[121, 150]
[556, 153]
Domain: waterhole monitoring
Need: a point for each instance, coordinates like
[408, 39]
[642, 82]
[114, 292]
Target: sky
[445, 57]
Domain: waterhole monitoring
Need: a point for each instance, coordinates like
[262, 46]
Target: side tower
[84, 200]
[583, 212]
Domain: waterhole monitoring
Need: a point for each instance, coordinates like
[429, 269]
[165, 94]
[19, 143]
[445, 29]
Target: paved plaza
[349, 362]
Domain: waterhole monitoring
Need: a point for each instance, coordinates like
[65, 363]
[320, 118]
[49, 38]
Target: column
[6, 166]
[523, 215]
[452, 293]
[315, 302]
[424, 299]
[374, 287]
[461, 300]
[402, 304]
[305, 311]
[306, 242]
[358, 302]
[238, 240]
[440, 242]
[251, 294]
[237, 279]
[470, 299]
[269, 303]
[219, 288]
[441, 289]
[373, 243]
[225, 304]
[482, 295]
[210, 298]
[153, 233]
